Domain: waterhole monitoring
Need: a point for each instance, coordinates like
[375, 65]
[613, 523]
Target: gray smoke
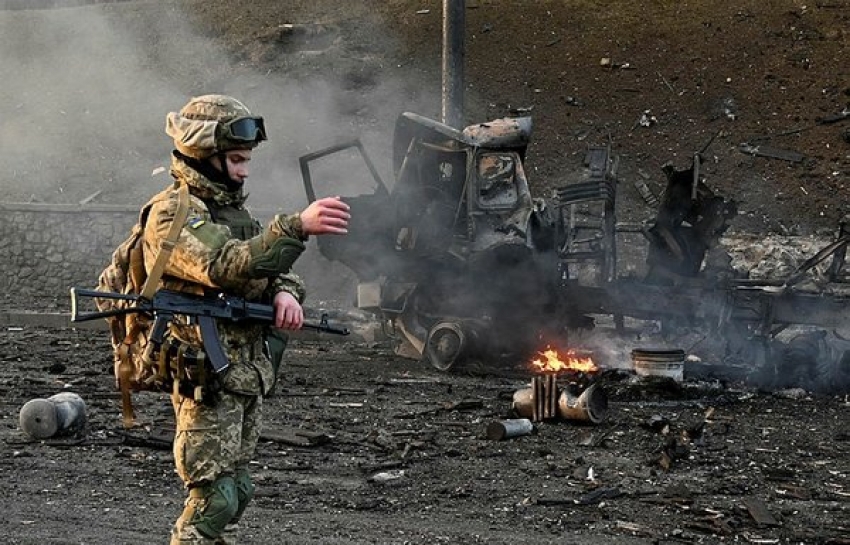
[86, 89]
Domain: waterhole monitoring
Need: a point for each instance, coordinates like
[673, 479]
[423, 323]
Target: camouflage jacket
[210, 257]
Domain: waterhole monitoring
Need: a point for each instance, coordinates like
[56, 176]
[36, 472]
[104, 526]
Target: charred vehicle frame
[462, 262]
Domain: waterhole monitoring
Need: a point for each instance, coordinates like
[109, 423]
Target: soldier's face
[238, 164]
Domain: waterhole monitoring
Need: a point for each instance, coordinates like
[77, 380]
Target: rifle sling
[168, 243]
[147, 292]
[125, 373]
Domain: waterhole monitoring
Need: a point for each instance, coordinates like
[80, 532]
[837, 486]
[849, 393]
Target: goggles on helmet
[245, 129]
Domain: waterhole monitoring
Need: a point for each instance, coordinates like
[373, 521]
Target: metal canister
[499, 430]
[591, 405]
[63, 413]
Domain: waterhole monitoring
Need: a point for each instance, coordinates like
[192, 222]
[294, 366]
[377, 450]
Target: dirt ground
[396, 452]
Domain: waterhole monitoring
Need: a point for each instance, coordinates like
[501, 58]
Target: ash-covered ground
[364, 447]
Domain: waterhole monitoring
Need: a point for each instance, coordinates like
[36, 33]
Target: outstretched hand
[328, 215]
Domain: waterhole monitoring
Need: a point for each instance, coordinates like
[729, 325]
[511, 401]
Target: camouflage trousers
[212, 441]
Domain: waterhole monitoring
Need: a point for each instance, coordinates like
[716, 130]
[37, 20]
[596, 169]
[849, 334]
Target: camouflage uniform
[218, 250]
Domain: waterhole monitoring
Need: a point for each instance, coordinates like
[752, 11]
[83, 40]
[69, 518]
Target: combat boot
[229, 536]
[186, 534]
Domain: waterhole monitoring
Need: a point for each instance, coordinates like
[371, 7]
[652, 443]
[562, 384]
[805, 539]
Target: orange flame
[570, 362]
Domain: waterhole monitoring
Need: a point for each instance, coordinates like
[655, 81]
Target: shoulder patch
[211, 235]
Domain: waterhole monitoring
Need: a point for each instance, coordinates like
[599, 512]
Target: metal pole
[454, 12]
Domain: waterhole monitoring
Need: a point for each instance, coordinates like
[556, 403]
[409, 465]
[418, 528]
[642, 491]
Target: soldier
[221, 248]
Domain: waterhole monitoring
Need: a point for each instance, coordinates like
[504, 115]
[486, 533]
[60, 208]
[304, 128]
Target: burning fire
[553, 363]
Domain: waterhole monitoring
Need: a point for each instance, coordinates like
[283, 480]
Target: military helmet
[211, 124]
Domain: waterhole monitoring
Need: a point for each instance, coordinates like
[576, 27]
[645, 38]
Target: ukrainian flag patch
[194, 223]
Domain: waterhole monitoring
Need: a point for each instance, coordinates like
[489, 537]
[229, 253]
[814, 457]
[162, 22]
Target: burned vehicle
[457, 257]
[462, 262]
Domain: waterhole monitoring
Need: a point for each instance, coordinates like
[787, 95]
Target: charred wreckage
[462, 263]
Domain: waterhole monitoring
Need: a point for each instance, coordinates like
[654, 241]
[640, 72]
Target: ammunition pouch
[183, 370]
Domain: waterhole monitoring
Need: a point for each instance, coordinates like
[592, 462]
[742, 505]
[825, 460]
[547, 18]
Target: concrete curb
[54, 320]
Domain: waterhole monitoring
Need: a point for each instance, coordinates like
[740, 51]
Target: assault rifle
[204, 310]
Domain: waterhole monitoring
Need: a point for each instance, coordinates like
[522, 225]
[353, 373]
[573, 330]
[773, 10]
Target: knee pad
[244, 492]
[217, 504]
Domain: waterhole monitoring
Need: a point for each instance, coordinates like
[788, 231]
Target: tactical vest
[239, 220]
[243, 227]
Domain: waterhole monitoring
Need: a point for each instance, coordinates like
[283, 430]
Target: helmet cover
[201, 128]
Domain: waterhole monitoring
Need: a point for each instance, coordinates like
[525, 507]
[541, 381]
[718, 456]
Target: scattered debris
[295, 436]
[771, 152]
[500, 430]
[646, 119]
[726, 108]
[666, 83]
[463, 405]
[599, 495]
[60, 414]
[659, 363]
[157, 439]
[840, 116]
[607, 62]
[674, 448]
[758, 510]
[386, 476]
[635, 529]
[545, 401]
[646, 193]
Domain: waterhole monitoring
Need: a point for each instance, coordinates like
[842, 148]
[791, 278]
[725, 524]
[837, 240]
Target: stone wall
[50, 4]
[47, 248]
